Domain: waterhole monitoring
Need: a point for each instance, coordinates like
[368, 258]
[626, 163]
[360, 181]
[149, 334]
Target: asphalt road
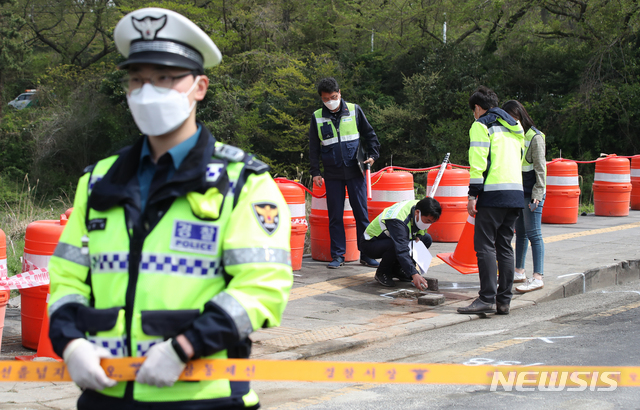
[598, 328]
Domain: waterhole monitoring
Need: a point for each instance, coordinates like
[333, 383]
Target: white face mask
[332, 104]
[421, 225]
[158, 113]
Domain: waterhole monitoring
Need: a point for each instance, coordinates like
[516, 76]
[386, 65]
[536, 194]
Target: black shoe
[399, 274]
[478, 306]
[502, 309]
[385, 280]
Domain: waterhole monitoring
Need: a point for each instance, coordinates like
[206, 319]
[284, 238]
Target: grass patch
[586, 208]
[17, 213]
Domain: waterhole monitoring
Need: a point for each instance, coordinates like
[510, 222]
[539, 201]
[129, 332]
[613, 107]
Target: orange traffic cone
[45, 349]
[463, 259]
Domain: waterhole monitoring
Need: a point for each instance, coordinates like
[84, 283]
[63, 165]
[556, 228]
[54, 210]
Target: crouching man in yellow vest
[389, 235]
[178, 246]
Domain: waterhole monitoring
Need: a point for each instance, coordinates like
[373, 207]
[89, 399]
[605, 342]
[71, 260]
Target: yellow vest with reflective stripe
[400, 211]
[181, 269]
[338, 146]
[495, 157]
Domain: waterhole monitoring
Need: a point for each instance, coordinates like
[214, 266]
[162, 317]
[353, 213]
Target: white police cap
[158, 36]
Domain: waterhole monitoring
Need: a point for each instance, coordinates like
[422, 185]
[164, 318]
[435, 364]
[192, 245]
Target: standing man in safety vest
[334, 134]
[495, 198]
[178, 246]
[389, 236]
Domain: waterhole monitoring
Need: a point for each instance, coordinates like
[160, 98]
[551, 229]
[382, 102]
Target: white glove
[162, 366]
[83, 363]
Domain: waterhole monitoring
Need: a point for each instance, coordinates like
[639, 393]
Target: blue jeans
[529, 226]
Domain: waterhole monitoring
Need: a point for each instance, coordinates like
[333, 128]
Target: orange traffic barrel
[294, 195]
[464, 259]
[563, 193]
[40, 242]
[4, 294]
[635, 182]
[452, 194]
[319, 228]
[387, 189]
[612, 186]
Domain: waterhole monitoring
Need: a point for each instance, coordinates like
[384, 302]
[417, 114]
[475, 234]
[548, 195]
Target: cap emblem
[149, 26]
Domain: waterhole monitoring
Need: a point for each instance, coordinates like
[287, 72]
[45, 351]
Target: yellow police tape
[358, 372]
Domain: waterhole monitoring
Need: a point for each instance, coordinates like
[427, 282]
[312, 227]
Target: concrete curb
[615, 274]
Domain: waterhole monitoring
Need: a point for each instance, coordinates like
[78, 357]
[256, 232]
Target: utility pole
[372, 40]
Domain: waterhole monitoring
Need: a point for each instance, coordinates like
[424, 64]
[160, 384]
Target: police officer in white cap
[178, 246]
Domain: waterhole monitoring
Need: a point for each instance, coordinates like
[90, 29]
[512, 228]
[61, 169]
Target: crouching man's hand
[420, 282]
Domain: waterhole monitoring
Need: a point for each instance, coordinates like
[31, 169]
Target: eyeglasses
[162, 82]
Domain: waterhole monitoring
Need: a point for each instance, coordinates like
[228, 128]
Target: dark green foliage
[575, 68]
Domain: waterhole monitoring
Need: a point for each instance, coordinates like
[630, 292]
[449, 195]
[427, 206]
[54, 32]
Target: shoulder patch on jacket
[229, 152]
[267, 215]
[88, 168]
[255, 165]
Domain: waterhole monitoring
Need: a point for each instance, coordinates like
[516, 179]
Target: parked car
[23, 100]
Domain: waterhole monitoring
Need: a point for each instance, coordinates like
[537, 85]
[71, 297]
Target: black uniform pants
[383, 247]
[492, 241]
[357, 188]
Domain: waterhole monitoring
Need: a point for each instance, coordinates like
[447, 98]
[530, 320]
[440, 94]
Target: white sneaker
[531, 285]
[519, 277]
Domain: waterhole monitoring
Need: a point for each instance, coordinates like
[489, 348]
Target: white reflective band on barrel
[297, 210]
[471, 220]
[321, 204]
[562, 181]
[635, 172]
[451, 191]
[37, 261]
[3, 268]
[619, 178]
[392, 196]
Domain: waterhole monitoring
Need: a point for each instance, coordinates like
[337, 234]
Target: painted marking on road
[566, 236]
[386, 295]
[614, 311]
[481, 361]
[545, 339]
[486, 349]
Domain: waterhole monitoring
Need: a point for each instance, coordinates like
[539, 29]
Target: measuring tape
[357, 372]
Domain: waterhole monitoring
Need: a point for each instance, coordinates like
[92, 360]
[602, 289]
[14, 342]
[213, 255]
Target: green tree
[13, 50]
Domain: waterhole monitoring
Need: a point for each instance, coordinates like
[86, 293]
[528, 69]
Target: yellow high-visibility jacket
[209, 257]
